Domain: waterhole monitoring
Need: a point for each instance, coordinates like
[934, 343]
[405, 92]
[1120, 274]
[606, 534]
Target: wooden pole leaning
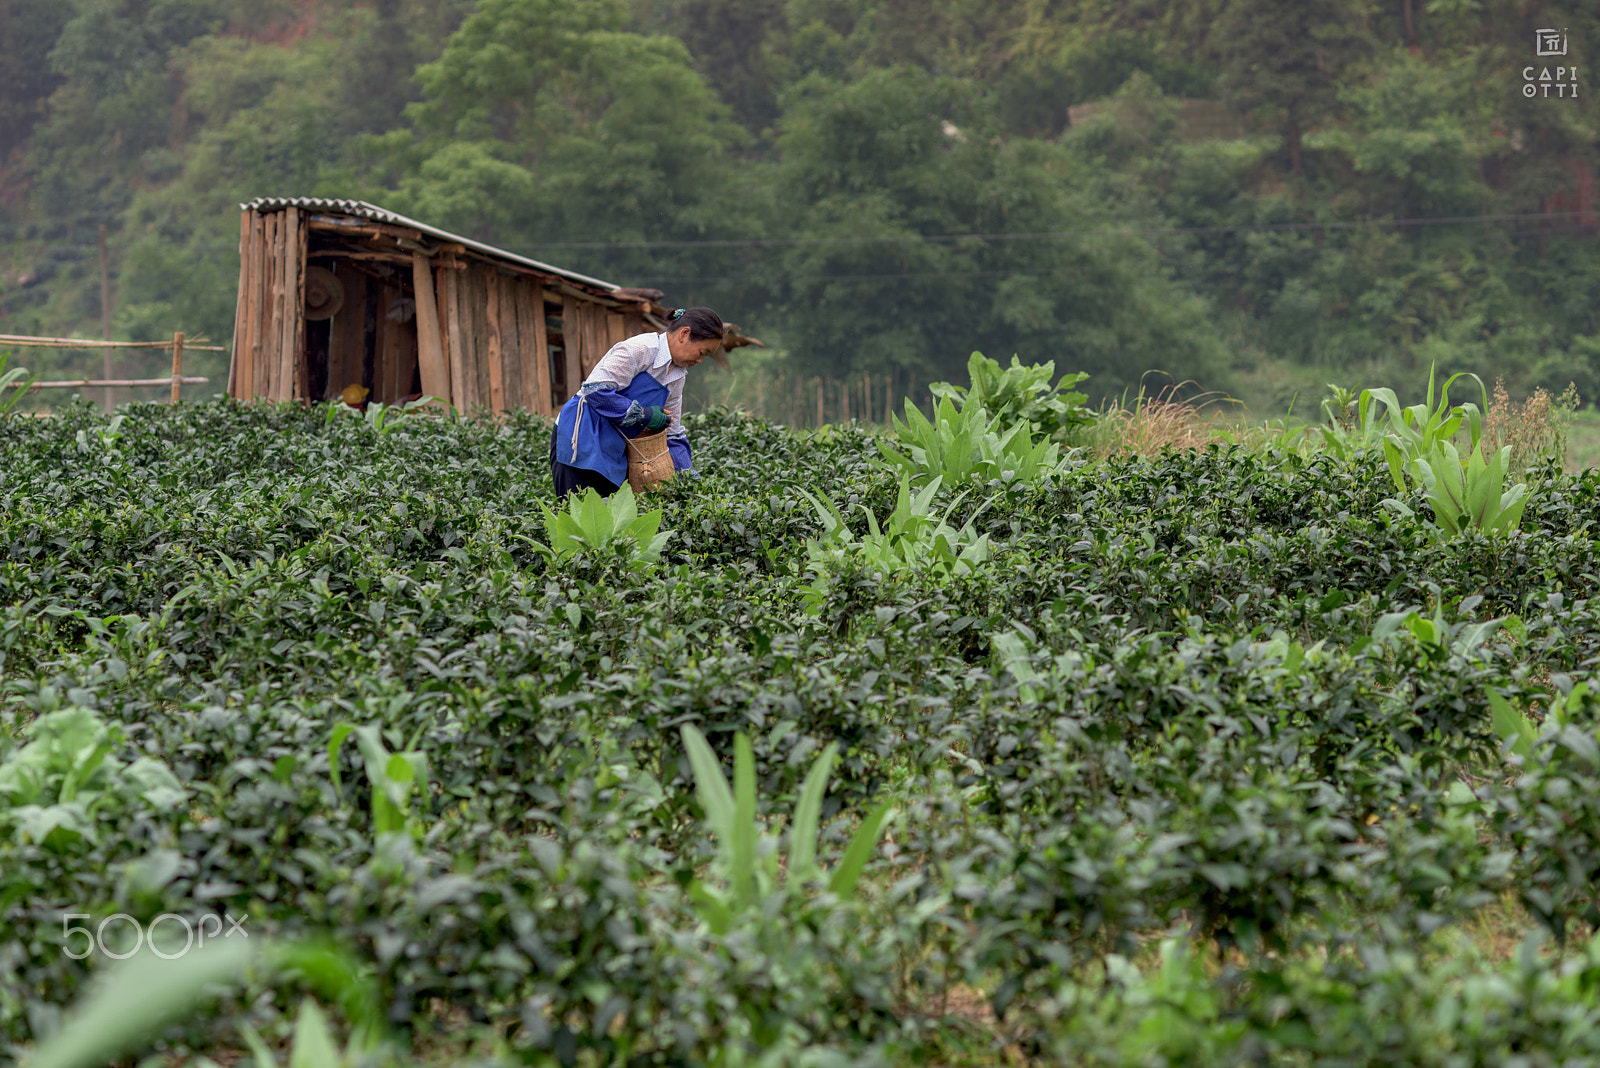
[105, 313]
[177, 364]
[430, 343]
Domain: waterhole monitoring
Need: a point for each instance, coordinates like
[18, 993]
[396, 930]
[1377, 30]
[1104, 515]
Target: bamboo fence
[176, 379]
[800, 400]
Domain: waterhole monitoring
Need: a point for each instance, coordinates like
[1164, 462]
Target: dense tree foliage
[873, 185]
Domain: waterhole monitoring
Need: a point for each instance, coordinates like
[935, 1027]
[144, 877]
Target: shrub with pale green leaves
[55, 787]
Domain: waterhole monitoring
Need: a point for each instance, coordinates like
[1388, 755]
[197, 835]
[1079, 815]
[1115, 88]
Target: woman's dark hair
[703, 323]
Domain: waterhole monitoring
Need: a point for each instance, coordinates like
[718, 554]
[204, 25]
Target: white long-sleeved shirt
[642, 352]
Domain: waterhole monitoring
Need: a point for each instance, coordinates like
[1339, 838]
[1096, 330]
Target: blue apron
[599, 445]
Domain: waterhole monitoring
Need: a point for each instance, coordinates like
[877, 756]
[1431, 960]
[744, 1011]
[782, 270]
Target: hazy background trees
[874, 186]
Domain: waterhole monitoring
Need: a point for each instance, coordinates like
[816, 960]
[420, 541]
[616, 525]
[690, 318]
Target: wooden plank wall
[394, 365]
[406, 380]
[269, 332]
[346, 340]
[616, 327]
[585, 329]
[291, 341]
[461, 356]
[534, 350]
[239, 305]
[247, 312]
[441, 287]
[492, 376]
[475, 308]
[300, 373]
[272, 336]
[386, 356]
[496, 328]
[571, 344]
[503, 324]
[596, 334]
[554, 312]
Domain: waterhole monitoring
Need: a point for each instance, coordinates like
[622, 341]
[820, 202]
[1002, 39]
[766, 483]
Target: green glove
[659, 419]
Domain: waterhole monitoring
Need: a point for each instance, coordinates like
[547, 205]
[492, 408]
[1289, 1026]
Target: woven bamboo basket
[649, 462]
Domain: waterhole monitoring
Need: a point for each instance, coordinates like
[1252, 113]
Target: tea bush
[1196, 759]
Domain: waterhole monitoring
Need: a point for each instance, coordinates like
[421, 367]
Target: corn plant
[958, 446]
[749, 862]
[141, 995]
[1353, 422]
[1516, 728]
[54, 787]
[1433, 633]
[12, 386]
[1468, 496]
[337, 976]
[393, 776]
[592, 522]
[912, 537]
[1021, 395]
[1417, 432]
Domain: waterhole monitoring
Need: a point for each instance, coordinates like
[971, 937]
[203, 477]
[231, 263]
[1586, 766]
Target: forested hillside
[876, 186]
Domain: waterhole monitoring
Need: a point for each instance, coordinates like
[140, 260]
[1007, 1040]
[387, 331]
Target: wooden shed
[340, 292]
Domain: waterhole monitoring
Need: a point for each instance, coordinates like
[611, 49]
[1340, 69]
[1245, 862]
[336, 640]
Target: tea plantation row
[1192, 760]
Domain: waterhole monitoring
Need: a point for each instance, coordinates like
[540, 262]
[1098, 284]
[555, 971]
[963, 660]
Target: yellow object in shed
[354, 394]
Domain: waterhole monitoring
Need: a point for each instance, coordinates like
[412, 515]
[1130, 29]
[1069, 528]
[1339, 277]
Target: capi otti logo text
[1544, 80]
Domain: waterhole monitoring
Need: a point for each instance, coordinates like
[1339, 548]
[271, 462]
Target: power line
[867, 277]
[838, 277]
[1040, 235]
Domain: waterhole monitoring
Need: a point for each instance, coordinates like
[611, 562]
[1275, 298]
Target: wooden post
[459, 371]
[177, 363]
[105, 312]
[495, 349]
[441, 289]
[819, 401]
[571, 345]
[541, 400]
[252, 386]
[430, 345]
[239, 305]
[297, 376]
[272, 341]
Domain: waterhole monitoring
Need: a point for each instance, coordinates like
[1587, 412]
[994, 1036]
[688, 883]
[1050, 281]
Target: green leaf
[1509, 724]
[710, 785]
[743, 868]
[313, 1044]
[807, 813]
[1396, 458]
[624, 508]
[341, 731]
[135, 999]
[859, 851]
[711, 907]
[258, 1049]
[594, 519]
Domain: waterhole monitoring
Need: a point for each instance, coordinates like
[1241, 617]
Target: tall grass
[1539, 427]
[1164, 420]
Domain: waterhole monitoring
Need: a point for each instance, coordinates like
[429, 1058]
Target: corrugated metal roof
[364, 210]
